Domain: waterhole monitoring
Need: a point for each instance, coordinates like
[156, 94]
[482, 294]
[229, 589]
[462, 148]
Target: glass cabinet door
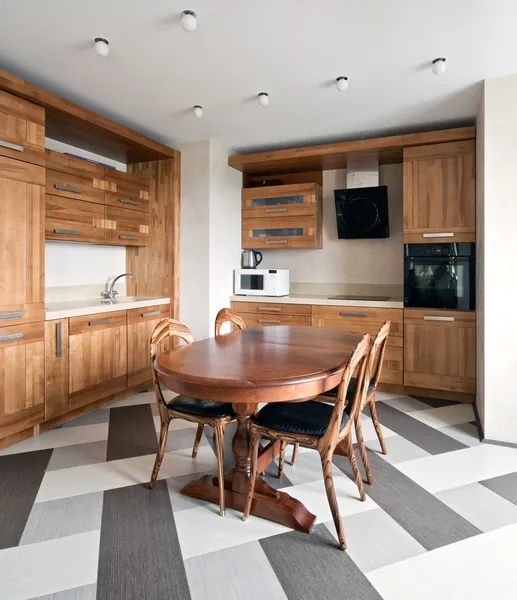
[277, 201]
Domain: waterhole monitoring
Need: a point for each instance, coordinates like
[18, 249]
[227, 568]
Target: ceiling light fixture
[263, 99]
[439, 65]
[102, 46]
[189, 20]
[342, 84]
[197, 110]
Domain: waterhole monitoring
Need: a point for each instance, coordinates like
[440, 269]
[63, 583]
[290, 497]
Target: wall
[349, 261]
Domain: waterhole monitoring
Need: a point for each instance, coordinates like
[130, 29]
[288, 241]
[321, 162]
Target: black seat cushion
[306, 418]
[350, 392]
[201, 408]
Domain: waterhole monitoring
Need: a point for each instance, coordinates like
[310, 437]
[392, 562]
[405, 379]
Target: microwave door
[252, 282]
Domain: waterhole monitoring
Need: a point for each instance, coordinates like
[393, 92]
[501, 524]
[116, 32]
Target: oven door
[439, 282]
[249, 282]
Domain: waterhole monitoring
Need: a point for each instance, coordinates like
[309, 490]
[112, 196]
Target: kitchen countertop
[93, 306]
[321, 300]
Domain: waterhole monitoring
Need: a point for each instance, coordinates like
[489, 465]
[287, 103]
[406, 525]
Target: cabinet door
[140, 325]
[127, 191]
[73, 220]
[126, 227]
[280, 232]
[439, 193]
[56, 368]
[22, 378]
[280, 200]
[69, 185]
[21, 242]
[440, 350]
[97, 357]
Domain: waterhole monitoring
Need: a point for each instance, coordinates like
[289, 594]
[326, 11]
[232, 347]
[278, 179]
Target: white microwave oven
[262, 282]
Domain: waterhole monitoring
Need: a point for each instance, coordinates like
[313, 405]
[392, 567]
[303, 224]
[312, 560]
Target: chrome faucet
[111, 293]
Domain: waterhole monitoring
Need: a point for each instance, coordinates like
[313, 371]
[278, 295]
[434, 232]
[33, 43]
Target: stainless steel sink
[360, 298]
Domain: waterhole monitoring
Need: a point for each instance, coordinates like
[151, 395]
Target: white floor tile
[383, 396]
[400, 450]
[121, 473]
[445, 415]
[477, 568]
[48, 567]
[142, 398]
[175, 424]
[406, 404]
[369, 433]
[466, 433]
[461, 467]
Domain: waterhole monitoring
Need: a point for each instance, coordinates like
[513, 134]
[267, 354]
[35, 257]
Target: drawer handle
[276, 210]
[153, 313]
[12, 315]
[129, 201]
[272, 309]
[59, 341]
[269, 242]
[439, 235]
[353, 314]
[101, 322]
[68, 188]
[128, 237]
[269, 321]
[10, 337]
[11, 146]
[68, 231]
[430, 318]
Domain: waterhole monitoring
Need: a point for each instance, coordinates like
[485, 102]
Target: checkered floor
[77, 521]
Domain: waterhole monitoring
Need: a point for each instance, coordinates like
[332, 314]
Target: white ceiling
[292, 49]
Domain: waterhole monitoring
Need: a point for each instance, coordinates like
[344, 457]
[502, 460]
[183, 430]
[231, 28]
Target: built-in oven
[440, 276]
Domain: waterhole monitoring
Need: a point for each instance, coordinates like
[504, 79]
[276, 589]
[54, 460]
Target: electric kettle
[250, 259]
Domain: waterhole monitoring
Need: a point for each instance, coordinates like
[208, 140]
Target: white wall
[349, 261]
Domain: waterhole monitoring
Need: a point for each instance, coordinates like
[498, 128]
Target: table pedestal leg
[268, 503]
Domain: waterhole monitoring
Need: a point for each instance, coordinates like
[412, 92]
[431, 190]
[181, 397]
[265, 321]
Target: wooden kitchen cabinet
[71, 220]
[22, 377]
[440, 193]
[97, 357]
[264, 314]
[56, 368]
[125, 227]
[440, 350]
[127, 191]
[140, 325]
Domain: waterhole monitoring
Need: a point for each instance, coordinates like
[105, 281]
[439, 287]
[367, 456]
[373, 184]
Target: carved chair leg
[377, 425]
[254, 448]
[281, 459]
[295, 454]
[326, 463]
[219, 446]
[362, 449]
[355, 468]
[164, 432]
[197, 441]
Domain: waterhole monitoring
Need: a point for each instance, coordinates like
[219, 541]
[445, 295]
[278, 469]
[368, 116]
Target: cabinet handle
[128, 237]
[11, 315]
[276, 210]
[153, 313]
[353, 314]
[101, 322]
[429, 318]
[429, 235]
[68, 231]
[129, 201]
[269, 321]
[11, 146]
[268, 309]
[10, 337]
[269, 242]
[68, 188]
[59, 341]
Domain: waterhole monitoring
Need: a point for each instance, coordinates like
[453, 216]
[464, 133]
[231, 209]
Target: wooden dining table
[249, 367]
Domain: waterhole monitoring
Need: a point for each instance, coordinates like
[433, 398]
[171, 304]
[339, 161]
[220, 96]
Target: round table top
[266, 364]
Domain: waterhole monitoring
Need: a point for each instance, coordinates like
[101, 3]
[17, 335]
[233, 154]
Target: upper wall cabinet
[282, 216]
[127, 191]
[439, 193]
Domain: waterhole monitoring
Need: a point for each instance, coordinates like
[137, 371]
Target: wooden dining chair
[226, 315]
[317, 425]
[202, 412]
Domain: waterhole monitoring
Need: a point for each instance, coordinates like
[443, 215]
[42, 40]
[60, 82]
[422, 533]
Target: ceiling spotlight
[102, 46]
[263, 99]
[342, 83]
[439, 66]
[189, 20]
[197, 110]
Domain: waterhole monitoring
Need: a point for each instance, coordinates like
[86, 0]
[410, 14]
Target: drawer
[148, 313]
[87, 323]
[260, 308]
[450, 318]
[126, 227]
[74, 166]
[19, 314]
[251, 320]
[21, 335]
[73, 220]
[280, 232]
[292, 195]
[127, 191]
[70, 185]
[279, 212]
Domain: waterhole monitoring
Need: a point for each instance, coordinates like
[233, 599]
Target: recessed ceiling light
[102, 46]
[263, 99]
[189, 20]
[197, 110]
[342, 84]
[439, 65]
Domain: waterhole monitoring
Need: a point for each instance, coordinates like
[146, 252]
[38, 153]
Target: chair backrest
[225, 315]
[377, 353]
[358, 364]
[166, 329]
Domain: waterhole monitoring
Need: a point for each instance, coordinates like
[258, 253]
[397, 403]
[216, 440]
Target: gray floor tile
[406, 404]
[311, 567]
[376, 540]
[96, 416]
[78, 455]
[400, 450]
[86, 592]
[434, 402]
[59, 518]
[505, 486]
[245, 566]
[178, 500]
[466, 433]
[131, 432]
[184, 438]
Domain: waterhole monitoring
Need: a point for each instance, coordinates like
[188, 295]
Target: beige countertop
[93, 306]
[321, 300]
